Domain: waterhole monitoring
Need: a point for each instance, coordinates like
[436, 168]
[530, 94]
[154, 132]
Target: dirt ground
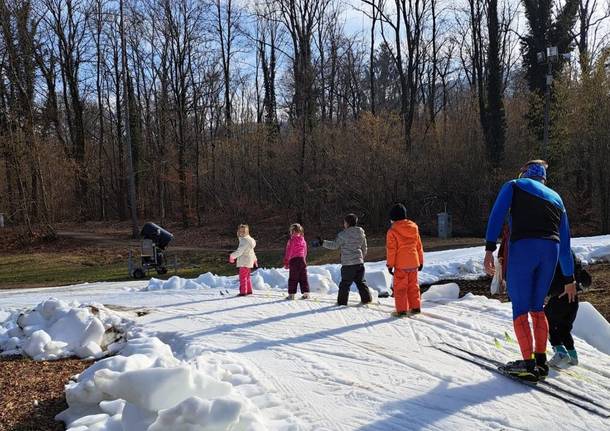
[32, 393]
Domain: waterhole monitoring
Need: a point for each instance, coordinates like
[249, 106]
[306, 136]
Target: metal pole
[547, 103]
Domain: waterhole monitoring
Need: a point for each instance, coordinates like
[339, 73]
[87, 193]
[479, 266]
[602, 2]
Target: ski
[562, 394]
[540, 382]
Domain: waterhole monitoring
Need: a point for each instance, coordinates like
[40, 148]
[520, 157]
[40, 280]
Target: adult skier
[539, 238]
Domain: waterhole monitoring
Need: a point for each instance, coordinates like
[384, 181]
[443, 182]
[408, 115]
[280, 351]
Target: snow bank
[56, 329]
[144, 387]
[592, 249]
[449, 291]
[460, 264]
[591, 326]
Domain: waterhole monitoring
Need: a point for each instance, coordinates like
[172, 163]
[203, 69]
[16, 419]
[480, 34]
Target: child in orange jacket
[405, 257]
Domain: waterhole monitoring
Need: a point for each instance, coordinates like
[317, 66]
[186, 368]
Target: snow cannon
[154, 242]
[159, 236]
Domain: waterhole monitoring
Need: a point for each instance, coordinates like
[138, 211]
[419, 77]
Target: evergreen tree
[545, 31]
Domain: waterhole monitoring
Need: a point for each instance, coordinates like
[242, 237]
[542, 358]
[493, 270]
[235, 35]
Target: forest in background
[205, 110]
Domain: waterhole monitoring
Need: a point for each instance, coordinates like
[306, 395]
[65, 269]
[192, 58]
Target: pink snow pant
[245, 283]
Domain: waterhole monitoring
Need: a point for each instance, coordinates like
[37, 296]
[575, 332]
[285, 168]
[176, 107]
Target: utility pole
[135, 231]
[549, 57]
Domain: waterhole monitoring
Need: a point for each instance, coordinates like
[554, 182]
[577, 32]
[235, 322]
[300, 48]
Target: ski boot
[415, 311]
[522, 369]
[541, 365]
[560, 359]
[305, 296]
[400, 314]
[290, 296]
[573, 357]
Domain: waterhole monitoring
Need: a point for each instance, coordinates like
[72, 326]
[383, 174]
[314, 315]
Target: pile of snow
[56, 329]
[449, 291]
[145, 388]
[591, 326]
[592, 249]
[460, 264]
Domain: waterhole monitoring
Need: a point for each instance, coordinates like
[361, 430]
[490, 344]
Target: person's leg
[348, 274]
[304, 283]
[520, 275]
[552, 311]
[413, 291]
[363, 288]
[548, 252]
[401, 299]
[249, 281]
[293, 276]
[243, 289]
[568, 341]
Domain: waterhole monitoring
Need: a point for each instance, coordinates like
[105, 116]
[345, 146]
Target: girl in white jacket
[245, 257]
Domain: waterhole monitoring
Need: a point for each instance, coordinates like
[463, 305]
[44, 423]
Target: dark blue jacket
[536, 212]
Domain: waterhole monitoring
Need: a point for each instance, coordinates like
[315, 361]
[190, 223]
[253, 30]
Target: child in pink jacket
[294, 260]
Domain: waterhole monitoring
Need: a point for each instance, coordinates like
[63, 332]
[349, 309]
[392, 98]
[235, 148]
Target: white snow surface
[55, 329]
[205, 359]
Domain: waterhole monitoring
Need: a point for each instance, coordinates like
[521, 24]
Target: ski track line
[296, 392]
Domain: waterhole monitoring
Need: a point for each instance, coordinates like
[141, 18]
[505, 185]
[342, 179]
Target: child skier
[405, 257]
[352, 243]
[245, 257]
[294, 260]
[561, 313]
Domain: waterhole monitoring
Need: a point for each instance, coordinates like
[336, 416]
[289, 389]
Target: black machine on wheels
[154, 242]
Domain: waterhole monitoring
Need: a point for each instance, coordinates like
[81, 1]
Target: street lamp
[549, 57]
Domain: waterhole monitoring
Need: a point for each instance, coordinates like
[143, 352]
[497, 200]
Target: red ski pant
[524, 333]
[406, 290]
[245, 283]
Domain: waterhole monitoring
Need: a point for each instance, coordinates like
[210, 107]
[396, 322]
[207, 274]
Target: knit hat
[398, 212]
[534, 170]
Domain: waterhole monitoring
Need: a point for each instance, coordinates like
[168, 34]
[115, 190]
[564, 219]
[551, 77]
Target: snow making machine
[154, 242]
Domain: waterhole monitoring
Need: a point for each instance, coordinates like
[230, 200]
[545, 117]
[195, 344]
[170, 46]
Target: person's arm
[498, 216]
[364, 247]
[390, 249]
[420, 251]
[243, 244]
[333, 245]
[287, 253]
[306, 250]
[566, 260]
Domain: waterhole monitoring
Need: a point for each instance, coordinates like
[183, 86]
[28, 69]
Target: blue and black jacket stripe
[535, 212]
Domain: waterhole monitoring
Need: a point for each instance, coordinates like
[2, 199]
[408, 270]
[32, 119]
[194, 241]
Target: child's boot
[290, 296]
[415, 310]
[573, 357]
[305, 296]
[560, 359]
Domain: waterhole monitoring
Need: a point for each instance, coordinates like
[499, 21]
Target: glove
[231, 259]
[420, 267]
[391, 270]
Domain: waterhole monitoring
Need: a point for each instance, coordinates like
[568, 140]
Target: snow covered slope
[355, 367]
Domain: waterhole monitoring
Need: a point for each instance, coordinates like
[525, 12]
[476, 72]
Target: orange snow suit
[405, 254]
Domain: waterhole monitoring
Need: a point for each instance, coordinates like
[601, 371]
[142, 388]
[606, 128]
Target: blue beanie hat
[534, 170]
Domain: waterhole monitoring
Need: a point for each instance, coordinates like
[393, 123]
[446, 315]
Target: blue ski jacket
[534, 211]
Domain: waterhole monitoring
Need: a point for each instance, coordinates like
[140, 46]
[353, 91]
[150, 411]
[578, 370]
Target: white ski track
[356, 368]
